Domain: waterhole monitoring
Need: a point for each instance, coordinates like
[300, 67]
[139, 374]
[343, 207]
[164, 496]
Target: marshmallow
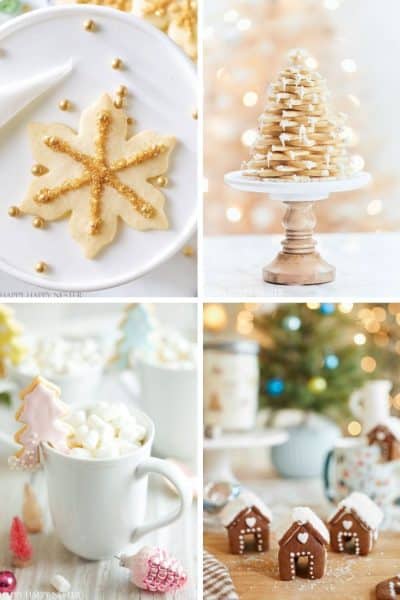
[105, 431]
[60, 584]
[80, 453]
[91, 440]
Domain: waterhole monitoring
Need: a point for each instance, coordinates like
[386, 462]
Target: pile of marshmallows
[168, 348]
[61, 356]
[104, 431]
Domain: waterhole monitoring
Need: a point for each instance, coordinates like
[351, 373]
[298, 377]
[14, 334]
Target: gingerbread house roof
[245, 501]
[392, 424]
[361, 506]
[303, 516]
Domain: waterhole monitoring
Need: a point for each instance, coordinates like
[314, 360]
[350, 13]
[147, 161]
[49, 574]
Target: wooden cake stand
[298, 263]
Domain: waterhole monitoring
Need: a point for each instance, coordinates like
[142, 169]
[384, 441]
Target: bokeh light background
[357, 47]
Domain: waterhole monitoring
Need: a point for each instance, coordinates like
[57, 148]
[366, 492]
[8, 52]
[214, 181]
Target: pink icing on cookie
[40, 412]
[154, 570]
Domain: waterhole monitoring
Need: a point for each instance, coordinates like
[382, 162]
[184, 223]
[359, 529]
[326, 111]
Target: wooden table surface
[348, 577]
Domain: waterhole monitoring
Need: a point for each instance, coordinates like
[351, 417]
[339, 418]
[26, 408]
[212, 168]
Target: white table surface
[367, 266]
[104, 580]
[177, 277]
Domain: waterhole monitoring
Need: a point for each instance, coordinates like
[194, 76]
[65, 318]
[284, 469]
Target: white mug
[168, 395]
[98, 506]
[370, 405]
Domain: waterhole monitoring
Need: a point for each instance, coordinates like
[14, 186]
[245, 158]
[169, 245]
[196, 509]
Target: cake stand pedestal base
[299, 263]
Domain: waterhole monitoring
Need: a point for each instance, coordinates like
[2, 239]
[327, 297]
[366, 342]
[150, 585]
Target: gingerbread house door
[251, 535]
[348, 541]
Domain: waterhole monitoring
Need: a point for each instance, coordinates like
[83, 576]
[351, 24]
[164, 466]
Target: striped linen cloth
[217, 583]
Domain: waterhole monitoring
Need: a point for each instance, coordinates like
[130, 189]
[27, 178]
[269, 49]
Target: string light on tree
[317, 385]
[292, 323]
[331, 361]
[215, 317]
[275, 386]
[327, 308]
[354, 428]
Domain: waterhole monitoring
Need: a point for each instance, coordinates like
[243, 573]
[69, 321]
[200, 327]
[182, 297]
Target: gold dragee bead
[89, 25]
[195, 115]
[162, 181]
[38, 222]
[64, 104]
[122, 90]
[41, 267]
[118, 102]
[188, 251]
[14, 211]
[129, 120]
[39, 170]
[117, 63]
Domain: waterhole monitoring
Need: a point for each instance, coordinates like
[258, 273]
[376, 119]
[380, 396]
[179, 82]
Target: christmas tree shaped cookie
[98, 176]
[135, 326]
[300, 138]
[11, 348]
[41, 412]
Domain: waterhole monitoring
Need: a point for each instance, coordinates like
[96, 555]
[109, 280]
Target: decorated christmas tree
[309, 360]
[20, 546]
[299, 135]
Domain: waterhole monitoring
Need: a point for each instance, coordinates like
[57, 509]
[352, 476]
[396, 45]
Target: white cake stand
[298, 263]
[218, 451]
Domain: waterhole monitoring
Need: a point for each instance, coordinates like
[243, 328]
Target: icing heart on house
[302, 537]
[347, 524]
[251, 521]
[381, 436]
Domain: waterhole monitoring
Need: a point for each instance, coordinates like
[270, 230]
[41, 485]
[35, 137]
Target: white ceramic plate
[163, 94]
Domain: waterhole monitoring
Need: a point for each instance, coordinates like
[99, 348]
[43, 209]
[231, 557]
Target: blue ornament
[275, 386]
[331, 361]
[327, 308]
[292, 323]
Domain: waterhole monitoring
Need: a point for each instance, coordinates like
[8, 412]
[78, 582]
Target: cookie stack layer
[299, 137]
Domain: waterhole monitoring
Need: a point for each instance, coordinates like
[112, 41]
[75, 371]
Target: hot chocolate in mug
[354, 466]
[98, 506]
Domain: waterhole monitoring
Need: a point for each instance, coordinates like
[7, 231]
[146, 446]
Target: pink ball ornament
[154, 570]
[8, 583]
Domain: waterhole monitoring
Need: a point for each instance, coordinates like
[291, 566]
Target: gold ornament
[89, 25]
[64, 104]
[41, 267]
[38, 222]
[14, 211]
[117, 63]
[39, 170]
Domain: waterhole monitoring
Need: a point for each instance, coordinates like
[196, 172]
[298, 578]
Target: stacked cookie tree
[299, 156]
[299, 135]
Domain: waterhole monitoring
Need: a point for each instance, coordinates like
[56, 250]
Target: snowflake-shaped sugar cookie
[98, 175]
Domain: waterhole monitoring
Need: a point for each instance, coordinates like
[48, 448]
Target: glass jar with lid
[231, 384]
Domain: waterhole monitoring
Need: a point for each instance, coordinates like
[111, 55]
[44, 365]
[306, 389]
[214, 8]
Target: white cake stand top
[293, 191]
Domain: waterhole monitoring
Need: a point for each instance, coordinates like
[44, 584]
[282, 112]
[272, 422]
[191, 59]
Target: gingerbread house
[388, 589]
[354, 526]
[247, 521]
[387, 436]
[303, 546]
